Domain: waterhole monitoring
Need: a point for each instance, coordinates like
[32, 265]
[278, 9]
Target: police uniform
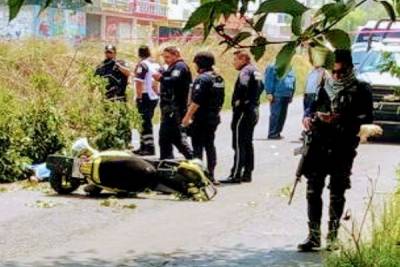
[116, 80]
[207, 92]
[175, 84]
[245, 103]
[332, 151]
[146, 103]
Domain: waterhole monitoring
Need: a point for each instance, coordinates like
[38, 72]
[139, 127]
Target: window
[283, 19]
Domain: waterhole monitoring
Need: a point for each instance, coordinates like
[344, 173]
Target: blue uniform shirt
[284, 87]
[314, 81]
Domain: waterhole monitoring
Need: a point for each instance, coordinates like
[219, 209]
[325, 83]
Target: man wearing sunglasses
[333, 120]
[116, 72]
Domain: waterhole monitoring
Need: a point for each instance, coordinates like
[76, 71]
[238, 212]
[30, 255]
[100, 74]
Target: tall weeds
[379, 248]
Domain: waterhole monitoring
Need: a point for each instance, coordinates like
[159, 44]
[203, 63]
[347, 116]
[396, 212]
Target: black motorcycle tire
[63, 186]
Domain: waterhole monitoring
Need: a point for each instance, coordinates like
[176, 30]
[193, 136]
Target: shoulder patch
[176, 73]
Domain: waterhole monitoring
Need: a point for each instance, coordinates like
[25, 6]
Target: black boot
[148, 151]
[333, 228]
[247, 177]
[313, 241]
[231, 180]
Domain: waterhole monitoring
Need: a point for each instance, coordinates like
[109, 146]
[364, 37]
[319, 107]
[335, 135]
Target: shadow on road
[227, 257]
[155, 195]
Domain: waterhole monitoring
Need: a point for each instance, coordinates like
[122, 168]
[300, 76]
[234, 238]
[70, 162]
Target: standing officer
[334, 118]
[116, 72]
[245, 102]
[147, 92]
[174, 91]
[207, 99]
[313, 82]
[280, 93]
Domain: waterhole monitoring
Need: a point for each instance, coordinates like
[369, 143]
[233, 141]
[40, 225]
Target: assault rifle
[300, 168]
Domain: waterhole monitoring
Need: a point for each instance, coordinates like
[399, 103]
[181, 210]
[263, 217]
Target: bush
[48, 98]
[42, 125]
[12, 162]
[115, 128]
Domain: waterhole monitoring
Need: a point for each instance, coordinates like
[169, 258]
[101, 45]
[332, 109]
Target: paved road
[246, 225]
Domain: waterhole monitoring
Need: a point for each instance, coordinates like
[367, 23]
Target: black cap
[344, 56]
[110, 48]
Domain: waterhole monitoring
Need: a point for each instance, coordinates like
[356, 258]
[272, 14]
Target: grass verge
[381, 248]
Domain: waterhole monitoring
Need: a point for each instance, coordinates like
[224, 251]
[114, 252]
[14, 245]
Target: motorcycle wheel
[62, 184]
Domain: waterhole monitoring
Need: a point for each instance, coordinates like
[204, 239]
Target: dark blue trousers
[277, 118]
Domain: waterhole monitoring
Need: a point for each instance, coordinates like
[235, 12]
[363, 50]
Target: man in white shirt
[147, 91]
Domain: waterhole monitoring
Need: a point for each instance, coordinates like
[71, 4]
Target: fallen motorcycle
[124, 172]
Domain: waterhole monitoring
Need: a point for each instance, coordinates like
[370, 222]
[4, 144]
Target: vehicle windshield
[374, 60]
[358, 57]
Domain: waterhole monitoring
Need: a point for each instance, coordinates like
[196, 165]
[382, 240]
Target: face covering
[334, 87]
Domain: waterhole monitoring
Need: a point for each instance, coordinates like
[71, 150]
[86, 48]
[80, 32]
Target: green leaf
[200, 15]
[258, 48]
[257, 51]
[291, 7]
[207, 27]
[332, 11]
[389, 9]
[338, 38]
[241, 36]
[260, 23]
[297, 25]
[14, 7]
[210, 12]
[244, 7]
[284, 58]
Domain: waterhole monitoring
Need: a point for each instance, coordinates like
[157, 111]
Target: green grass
[380, 249]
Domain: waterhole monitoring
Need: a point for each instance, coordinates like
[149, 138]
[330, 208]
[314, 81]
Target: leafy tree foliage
[322, 33]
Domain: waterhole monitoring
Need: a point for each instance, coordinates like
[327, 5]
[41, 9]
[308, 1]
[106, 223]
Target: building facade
[125, 19]
[109, 20]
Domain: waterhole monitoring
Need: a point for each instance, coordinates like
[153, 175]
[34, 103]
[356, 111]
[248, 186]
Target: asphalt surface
[245, 225]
